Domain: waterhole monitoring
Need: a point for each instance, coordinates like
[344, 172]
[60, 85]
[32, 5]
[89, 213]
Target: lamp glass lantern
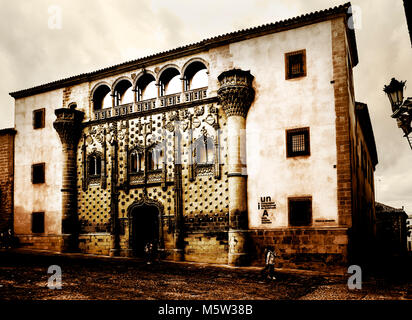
[395, 93]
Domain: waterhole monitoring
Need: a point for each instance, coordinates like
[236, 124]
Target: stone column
[235, 96]
[68, 126]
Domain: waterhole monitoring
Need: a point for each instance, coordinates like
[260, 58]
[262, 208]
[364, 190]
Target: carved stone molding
[68, 125]
[236, 93]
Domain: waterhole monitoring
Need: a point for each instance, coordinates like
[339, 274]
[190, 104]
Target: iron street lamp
[401, 110]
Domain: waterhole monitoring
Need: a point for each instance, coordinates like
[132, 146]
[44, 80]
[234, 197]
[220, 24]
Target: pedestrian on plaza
[269, 270]
[148, 252]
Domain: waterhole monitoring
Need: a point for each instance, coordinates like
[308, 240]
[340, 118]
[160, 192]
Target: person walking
[148, 252]
[269, 270]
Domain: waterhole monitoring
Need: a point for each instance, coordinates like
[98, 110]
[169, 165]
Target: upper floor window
[136, 162]
[300, 211]
[170, 82]
[94, 165]
[297, 142]
[123, 92]
[146, 87]
[155, 159]
[295, 64]
[204, 150]
[38, 173]
[102, 98]
[38, 118]
[195, 76]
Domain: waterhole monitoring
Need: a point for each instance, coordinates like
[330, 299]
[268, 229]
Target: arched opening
[195, 76]
[145, 227]
[123, 92]
[170, 82]
[102, 98]
[146, 87]
[95, 165]
[204, 151]
[155, 159]
[136, 162]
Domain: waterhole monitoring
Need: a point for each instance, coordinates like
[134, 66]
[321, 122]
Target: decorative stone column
[235, 96]
[68, 126]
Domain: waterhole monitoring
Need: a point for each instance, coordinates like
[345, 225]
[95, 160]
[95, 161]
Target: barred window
[295, 64]
[297, 142]
[37, 222]
[300, 211]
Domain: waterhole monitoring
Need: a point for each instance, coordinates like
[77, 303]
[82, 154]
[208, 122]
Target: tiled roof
[203, 45]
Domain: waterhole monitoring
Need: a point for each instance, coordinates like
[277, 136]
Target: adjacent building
[212, 150]
[6, 179]
[391, 227]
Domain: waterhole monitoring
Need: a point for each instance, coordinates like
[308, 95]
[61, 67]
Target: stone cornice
[204, 45]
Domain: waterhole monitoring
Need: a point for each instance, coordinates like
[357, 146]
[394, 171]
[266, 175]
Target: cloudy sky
[99, 33]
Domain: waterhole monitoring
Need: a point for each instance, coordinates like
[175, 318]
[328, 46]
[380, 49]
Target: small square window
[37, 173]
[295, 64]
[37, 222]
[300, 211]
[297, 142]
[38, 118]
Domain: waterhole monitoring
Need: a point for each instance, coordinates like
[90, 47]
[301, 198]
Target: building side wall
[37, 146]
[280, 105]
[6, 181]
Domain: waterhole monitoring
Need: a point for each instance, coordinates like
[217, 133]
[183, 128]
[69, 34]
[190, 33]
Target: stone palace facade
[214, 150]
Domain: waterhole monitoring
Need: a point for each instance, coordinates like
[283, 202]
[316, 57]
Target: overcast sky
[96, 34]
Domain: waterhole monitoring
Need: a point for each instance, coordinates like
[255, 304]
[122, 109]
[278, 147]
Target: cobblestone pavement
[24, 277]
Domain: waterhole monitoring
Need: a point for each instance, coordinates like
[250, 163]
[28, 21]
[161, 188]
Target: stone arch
[169, 80]
[141, 74]
[164, 68]
[116, 82]
[195, 74]
[96, 86]
[99, 86]
[142, 81]
[142, 203]
[192, 60]
[120, 88]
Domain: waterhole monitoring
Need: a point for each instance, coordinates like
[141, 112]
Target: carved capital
[236, 93]
[68, 125]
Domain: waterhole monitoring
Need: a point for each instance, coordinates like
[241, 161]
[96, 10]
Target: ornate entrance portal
[145, 227]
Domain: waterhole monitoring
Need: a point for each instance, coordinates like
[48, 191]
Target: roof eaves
[203, 45]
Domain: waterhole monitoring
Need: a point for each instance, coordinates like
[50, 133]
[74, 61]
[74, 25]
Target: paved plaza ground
[23, 276]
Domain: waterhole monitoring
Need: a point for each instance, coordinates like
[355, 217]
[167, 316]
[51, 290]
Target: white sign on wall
[266, 209]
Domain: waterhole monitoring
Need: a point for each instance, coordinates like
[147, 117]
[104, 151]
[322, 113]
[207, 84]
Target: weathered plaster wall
[36, 146]
[285, 104]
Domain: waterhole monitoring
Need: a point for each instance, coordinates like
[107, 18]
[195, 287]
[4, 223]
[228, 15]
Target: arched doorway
[144, 227]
